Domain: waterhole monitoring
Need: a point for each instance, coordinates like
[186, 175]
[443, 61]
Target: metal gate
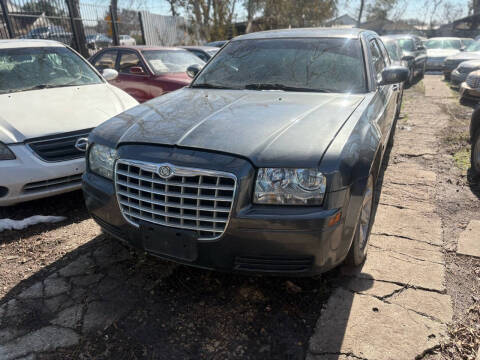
[84, 26]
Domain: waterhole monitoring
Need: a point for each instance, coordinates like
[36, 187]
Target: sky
[413, 8]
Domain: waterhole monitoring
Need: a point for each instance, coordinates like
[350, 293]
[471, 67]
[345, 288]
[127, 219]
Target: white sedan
[49, 98]
[127, 40]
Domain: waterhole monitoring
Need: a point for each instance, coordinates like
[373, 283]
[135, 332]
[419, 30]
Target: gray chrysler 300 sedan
[267, 162]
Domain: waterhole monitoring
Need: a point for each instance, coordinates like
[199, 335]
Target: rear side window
[407, 44]
[106, 61]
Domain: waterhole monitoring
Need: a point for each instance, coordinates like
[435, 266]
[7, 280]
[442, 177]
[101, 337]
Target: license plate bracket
[170, 242]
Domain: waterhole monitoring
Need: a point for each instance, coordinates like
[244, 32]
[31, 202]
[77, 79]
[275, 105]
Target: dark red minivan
[146, 72]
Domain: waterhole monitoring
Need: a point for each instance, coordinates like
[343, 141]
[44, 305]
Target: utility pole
[360, 12]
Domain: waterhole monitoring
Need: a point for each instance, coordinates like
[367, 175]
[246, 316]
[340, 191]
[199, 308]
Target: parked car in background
[268, 162]
[127, 40]
[438, 49]
[470, 89]
[475, 142]
[49, 98]
[217, 44]
[414, 53]
[51, 32]
[472, 52]
[459, 75]
[98, 41]
[203, 52]
[146, 72]
[398, 59]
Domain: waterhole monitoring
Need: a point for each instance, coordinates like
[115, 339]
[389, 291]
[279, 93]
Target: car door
[386, 95]
[133, 75]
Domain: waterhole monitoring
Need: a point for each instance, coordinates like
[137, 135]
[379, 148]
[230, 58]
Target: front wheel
[475, 155]
[358, 251]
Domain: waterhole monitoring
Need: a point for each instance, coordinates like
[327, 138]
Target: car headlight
[285, 186]
[6, 153]
[101, 160]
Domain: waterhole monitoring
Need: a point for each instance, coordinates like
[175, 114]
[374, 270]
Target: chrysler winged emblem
[165, 171]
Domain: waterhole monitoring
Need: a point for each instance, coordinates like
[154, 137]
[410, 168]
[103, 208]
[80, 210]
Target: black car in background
[203, 52]
[268, 162]
[414, 52]
[472, 52]
[218, 43]
[475, 141]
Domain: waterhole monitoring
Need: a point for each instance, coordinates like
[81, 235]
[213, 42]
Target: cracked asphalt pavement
[69, 292]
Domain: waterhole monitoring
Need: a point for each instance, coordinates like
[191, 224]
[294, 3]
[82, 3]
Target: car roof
[199, 47]
[304, 33]
[444, 38]
[144, 47]
[23, 43]
[399, 36]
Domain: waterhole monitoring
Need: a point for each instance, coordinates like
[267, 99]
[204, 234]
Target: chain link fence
[89, 27]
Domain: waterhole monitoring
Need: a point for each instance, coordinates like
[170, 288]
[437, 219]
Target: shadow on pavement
[71, 205]
[105, 301]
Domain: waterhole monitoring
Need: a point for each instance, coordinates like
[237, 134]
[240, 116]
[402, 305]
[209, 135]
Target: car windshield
[23, 69]
[170, 61]
[443, 44]
[393, 50]
[475, 46]
[299, 64]
[406, 44]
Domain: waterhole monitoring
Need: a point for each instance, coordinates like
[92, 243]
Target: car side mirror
[394, 75]
[110, 74]
[408, 58]
[462, 48]
[193, 70]
[420, 47]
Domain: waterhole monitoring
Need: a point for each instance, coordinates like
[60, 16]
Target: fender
[474, 122]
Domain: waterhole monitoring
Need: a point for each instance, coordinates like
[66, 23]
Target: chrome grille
[60, 147]
[192, 199]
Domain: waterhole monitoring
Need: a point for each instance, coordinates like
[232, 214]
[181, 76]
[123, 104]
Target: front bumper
[28, 177]
[261, 239]
[468, 95]
[435, 64]
[457, 78]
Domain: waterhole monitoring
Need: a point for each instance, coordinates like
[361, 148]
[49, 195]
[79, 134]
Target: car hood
[31, 114]
[441, 52]
[464, 56]
[271, 128]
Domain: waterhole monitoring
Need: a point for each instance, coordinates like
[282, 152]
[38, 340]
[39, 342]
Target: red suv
[146, 72]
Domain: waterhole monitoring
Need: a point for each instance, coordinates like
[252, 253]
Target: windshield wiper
[210, 86]
[282, 87]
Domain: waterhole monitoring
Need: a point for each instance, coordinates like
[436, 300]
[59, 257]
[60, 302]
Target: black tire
[411, 77]
[358, 251]
[475, 155]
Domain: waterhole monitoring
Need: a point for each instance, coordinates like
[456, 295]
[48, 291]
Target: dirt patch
[458, 202]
